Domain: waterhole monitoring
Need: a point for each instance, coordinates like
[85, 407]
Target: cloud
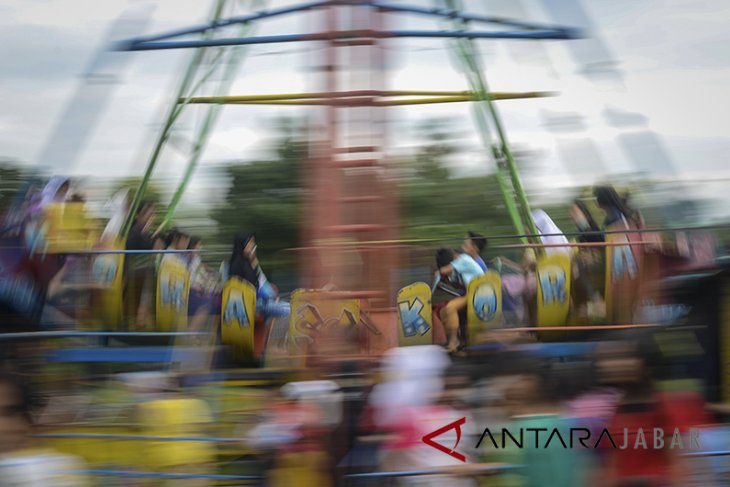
[41, 54]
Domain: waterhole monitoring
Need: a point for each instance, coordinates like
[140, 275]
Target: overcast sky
[670, 102]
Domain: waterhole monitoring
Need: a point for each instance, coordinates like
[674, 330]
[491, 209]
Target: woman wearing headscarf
[244, 264]
[55, 191]
[627, 268]
[587, 263]
[616, 208]
[589, 230]
[550, 234]
[407, 405]
[140, 280]
[118, 207]
[42, 213]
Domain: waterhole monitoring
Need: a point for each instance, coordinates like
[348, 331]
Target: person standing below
[21, 465]
[461, 271]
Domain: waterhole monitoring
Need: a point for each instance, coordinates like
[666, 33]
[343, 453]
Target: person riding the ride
[474, 245]
[460, 271]
[244, 264]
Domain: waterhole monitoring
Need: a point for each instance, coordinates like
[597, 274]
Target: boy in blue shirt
[460, 271]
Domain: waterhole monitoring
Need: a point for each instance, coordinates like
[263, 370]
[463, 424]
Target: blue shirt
[481, 263]
[467, 269]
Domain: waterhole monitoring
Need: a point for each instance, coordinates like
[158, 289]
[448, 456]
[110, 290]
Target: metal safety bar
[467, 470]
[529, 235]
[360, 243]
[97, 334]
[98, 436]
[161, 475]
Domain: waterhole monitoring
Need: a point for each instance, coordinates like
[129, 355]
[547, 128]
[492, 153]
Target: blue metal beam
[240, 41]
[532, 34]
[241, 19]
[435, 12]
[467, 17]
[43, 335]
[124, 354]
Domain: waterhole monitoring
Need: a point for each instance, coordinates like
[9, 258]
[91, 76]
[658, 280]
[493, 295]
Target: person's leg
[200, 310]
[439, 331]
[146, 310]
[273, 309]
[450, 319]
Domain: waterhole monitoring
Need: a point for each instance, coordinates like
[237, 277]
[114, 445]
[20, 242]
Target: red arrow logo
[428, 439]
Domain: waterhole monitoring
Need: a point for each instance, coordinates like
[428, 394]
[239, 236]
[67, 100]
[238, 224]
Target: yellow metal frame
[380, 98]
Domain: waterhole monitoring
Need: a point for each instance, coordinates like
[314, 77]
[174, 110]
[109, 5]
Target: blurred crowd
[349, 421]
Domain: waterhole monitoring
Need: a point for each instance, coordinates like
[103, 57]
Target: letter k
[428, 439]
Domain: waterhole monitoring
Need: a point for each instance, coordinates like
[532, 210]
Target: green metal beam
[211, 117]
[486, 112]
[175, 111]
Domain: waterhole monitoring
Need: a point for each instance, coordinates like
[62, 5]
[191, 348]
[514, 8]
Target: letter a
[640, 439]
[676, 440]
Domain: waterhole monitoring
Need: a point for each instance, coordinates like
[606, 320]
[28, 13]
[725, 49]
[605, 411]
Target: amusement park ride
[351, 198]
[352, 204]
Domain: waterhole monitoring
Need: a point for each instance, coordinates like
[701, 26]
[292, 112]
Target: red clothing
[439, 332]
[683, 410]
[668, 412]
[634, 460]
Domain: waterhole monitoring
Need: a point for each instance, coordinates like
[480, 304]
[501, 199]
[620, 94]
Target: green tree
[436, 204]
[263, 196]
[13, 177]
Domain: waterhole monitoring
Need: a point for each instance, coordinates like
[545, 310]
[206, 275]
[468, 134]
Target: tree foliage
[13, 178]
[263, 195]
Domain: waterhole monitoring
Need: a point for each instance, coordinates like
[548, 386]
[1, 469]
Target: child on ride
[244, 264]
[474, 245]
[550, 234]
[204, 286]
[460, 271]
[176, 240]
